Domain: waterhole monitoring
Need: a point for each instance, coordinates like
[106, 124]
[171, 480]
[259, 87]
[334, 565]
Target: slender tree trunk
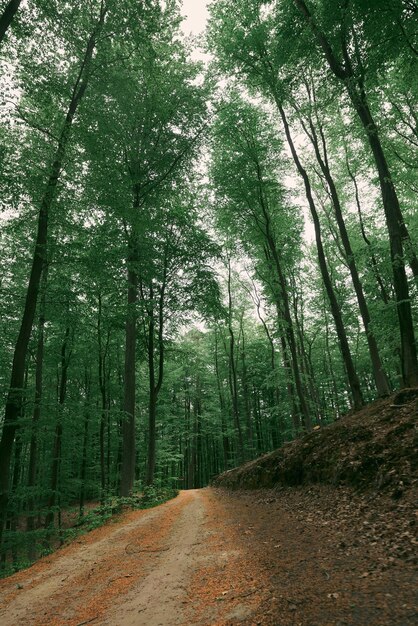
[283, 301]
[108, 481]
[375, 267]
[380, 378]
[397, 236]
[152, 415]
[290, 386]
[310, 379]
[15, 512]
[256, 411]
[33, 448]
[103, 349]
[128, 424]
[233, 379]
[53, 499]
[398, 233]
[198, 432]
[225, 439]
[244, 379]
[14, 397]
[152, 401]
[83, 472]
[7, 16]
[155, 381]
[279, 423]
[335, 309]
[330, 364]
[189, 438]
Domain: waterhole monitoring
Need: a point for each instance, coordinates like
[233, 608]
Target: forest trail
[211, 557]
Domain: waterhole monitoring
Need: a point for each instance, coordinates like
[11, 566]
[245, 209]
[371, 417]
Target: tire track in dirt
[151, 568]
[79, 582]
[161, 596]
[212, 558]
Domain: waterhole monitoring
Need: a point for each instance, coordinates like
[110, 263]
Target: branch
[31, 123]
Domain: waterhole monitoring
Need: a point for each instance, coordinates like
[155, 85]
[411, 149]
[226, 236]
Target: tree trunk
[152, 401]
[225, 439]
[83, 472]
[233, 380]
[310, 384]
[152, 416]
[53, 499]
[128, 425]
[291, 342]
[335, 309]
[198, 433]
[279, 423]
[33, 448]
[7, 16]
[290, 386]
[398, 233]
[380, 378]
[282, 299]
[244, 380]
[375, 268]
[330, 364]
[155, 382]
[104, 475]
[14, 397]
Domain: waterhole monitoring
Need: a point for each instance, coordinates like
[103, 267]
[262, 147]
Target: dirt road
[208, 558]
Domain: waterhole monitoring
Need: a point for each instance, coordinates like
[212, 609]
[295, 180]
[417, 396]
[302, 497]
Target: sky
[196, 15]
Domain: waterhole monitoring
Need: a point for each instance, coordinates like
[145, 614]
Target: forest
[201, 258]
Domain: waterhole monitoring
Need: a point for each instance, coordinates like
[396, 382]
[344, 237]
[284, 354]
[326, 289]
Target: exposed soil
[336, 548]
[210, 557]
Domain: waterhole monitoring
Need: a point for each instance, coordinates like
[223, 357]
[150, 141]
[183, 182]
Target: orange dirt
[213, 558]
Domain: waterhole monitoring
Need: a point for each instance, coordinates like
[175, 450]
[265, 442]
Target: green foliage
[182, 175]
[155, 495]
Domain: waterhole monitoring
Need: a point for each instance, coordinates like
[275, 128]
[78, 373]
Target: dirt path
[209, 558]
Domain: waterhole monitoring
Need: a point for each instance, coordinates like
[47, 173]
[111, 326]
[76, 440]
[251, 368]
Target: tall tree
[346, 63]
[254, 208]
[14, 398]
[7, 16]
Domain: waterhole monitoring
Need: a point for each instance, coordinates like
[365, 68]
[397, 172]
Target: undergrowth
[46, 541]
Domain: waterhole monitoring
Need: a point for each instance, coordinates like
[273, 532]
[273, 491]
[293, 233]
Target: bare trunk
[128, 425]
[53, 500]
[397, 230]
[155, 381]
[14, 397]
[244, 380]
[225, 439]
[83, 472]
[152, 402]
[233, 380]
[282, 298]
[397, 235]
[7, 16]
[380, 378]
[335, 309]
[104, 475]
[33, 448]
[375, 268]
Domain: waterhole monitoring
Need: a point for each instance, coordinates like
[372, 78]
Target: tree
[14, 399]
[160, 117]
[350, 69]
[7, 16]
[254, 208]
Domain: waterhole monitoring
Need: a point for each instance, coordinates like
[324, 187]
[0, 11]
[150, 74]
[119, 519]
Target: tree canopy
[200, 261]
